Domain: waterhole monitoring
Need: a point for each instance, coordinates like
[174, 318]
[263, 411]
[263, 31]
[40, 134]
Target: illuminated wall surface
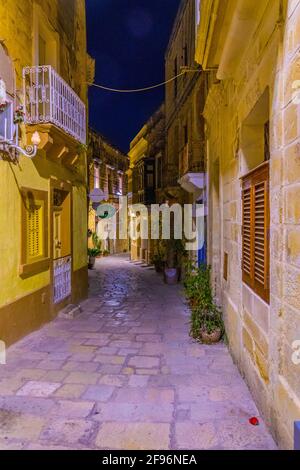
[43, 200]
[252, 119]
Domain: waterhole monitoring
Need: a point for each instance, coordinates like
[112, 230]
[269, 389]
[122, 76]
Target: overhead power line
[138, 90]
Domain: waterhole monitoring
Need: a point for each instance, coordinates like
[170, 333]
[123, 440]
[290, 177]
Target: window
[225, 266]
[158, 172]
[256, 227]
[267, 141]
[175, 75]
[150, 180]
[120, 184]
[110, 181]
[255, 135]
[42, 51]
[7, 122]
[185, 134]
[96, 176]
[185, 56]
[35, 216]
[34, 252]
[140, 177]
[45, 40]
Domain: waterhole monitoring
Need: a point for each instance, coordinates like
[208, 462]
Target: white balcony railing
[49, 99]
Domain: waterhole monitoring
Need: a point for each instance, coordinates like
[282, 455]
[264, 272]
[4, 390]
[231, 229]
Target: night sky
[128, 39]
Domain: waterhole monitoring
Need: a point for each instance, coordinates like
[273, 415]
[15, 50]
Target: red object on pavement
[254, 421]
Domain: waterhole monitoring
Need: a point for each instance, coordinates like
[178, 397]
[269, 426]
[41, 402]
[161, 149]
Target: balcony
[49, 101]
[192, 175]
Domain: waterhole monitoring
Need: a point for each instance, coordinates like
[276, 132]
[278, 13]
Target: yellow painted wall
[16, 33]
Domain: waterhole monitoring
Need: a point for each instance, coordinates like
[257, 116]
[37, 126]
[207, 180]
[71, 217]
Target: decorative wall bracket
[14, 149]
[9, 128]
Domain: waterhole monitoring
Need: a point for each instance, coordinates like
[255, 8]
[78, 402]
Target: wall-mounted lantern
[9, 127]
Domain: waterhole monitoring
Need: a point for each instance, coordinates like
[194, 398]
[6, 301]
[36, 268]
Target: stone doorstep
[71, 311]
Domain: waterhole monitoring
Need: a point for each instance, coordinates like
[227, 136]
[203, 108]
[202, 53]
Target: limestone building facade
[107, 168]
[184, 160]
[43, 70]
[184, 167]
[251, 56]
[146, 174]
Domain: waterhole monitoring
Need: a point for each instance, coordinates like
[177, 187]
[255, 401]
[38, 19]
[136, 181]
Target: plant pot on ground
[158, 263]
[175, 251]
[158, 256]
[206, 317]
[171, 273]
[210, 338]
[92, 254]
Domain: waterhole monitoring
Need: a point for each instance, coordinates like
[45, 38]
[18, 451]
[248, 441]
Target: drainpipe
[297, 435]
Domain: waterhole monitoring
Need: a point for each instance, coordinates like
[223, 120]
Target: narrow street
[125, 375]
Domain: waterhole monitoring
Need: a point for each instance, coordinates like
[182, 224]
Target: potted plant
[105, 253]
[191, 282]
[174, 253]
[96, 241]
[92, 254]
[158, 262]
[158, 257]
[206, 317]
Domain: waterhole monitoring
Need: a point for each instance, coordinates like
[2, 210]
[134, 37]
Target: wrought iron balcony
[49, 99]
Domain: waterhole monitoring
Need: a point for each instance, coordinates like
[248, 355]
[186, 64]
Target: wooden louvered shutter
[247, 236]
[35, 231]
[255, 256]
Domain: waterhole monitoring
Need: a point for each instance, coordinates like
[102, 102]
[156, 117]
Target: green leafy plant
[205, 314]
[156, 259]
[105, 252]
[93, 252]
[96, 241]
[174, 252]
[158, 255]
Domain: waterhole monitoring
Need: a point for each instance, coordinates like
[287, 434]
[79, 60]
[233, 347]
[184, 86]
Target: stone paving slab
[125, 375]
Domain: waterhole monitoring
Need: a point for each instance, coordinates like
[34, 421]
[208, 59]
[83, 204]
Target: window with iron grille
[255, 230]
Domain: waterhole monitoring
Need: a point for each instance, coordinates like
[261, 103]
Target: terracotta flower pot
[210, 338]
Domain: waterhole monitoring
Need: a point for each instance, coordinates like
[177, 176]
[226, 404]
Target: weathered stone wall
[65, 18]
[66, 22]
[260, 335]
[112, 165]
[184, 107]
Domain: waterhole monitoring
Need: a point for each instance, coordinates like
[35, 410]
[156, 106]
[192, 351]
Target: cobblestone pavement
[125, 375]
